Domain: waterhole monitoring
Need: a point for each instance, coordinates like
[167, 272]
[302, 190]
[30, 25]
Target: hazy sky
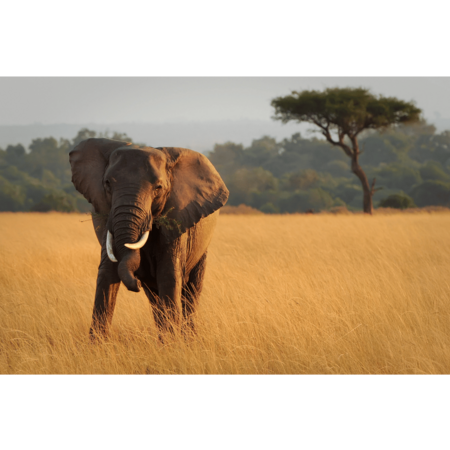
[158, 100]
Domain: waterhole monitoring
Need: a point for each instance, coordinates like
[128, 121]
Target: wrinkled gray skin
[130, 188]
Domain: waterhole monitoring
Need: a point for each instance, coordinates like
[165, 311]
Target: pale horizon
[110, 100]
[195, 112]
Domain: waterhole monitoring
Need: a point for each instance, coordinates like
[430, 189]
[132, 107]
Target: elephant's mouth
[129, 262]
[136, 246]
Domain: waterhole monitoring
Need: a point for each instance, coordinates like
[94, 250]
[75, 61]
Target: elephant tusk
[109, 247]
[140, 243]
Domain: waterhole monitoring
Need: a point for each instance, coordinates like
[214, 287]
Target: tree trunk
[353, 153]
[367, 190]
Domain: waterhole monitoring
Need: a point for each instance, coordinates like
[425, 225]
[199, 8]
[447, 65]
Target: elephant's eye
[108, 185]
[158, 188]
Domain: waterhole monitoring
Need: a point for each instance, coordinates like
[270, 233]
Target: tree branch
[355, 144]
[326, 133]
[372, 189]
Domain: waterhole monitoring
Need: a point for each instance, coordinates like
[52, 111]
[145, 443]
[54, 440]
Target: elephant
[154, 213]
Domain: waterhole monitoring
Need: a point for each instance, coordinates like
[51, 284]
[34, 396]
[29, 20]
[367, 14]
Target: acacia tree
[342, 114]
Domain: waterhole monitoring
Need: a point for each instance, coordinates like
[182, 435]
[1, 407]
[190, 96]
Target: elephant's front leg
[169, 275]
[191, 294]
[108, 283]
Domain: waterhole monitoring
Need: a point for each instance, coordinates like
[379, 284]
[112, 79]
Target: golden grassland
[292, 294]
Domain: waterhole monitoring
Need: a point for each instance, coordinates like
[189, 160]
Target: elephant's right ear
[88, 161]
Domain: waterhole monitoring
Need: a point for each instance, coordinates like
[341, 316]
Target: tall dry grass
[294, 294]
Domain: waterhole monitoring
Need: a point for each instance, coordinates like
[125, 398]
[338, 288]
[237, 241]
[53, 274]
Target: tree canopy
[347, 110]
[341, 114]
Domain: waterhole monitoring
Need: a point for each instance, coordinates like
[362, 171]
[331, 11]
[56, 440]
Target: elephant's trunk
[129, 223]
[126, 269]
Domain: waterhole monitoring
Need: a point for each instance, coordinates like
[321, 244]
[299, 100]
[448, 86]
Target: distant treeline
[40, 179]
[411, 164]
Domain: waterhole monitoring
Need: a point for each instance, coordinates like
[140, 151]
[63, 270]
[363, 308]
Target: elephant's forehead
[139, 155]
[126, 164]
[143, 152]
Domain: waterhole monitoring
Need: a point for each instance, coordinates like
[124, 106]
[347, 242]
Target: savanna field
[283, 294]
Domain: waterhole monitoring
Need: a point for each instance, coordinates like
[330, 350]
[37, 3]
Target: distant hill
[200, 136]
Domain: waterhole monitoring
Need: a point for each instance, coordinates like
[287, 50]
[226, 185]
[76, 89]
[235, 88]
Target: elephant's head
[132, 186]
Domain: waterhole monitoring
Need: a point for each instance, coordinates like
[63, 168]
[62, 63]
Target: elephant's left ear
[197, 190]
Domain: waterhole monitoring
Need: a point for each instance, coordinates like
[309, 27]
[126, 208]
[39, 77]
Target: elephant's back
[199, 238]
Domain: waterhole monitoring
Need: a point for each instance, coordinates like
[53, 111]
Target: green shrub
[398, 201]
[269, 208]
